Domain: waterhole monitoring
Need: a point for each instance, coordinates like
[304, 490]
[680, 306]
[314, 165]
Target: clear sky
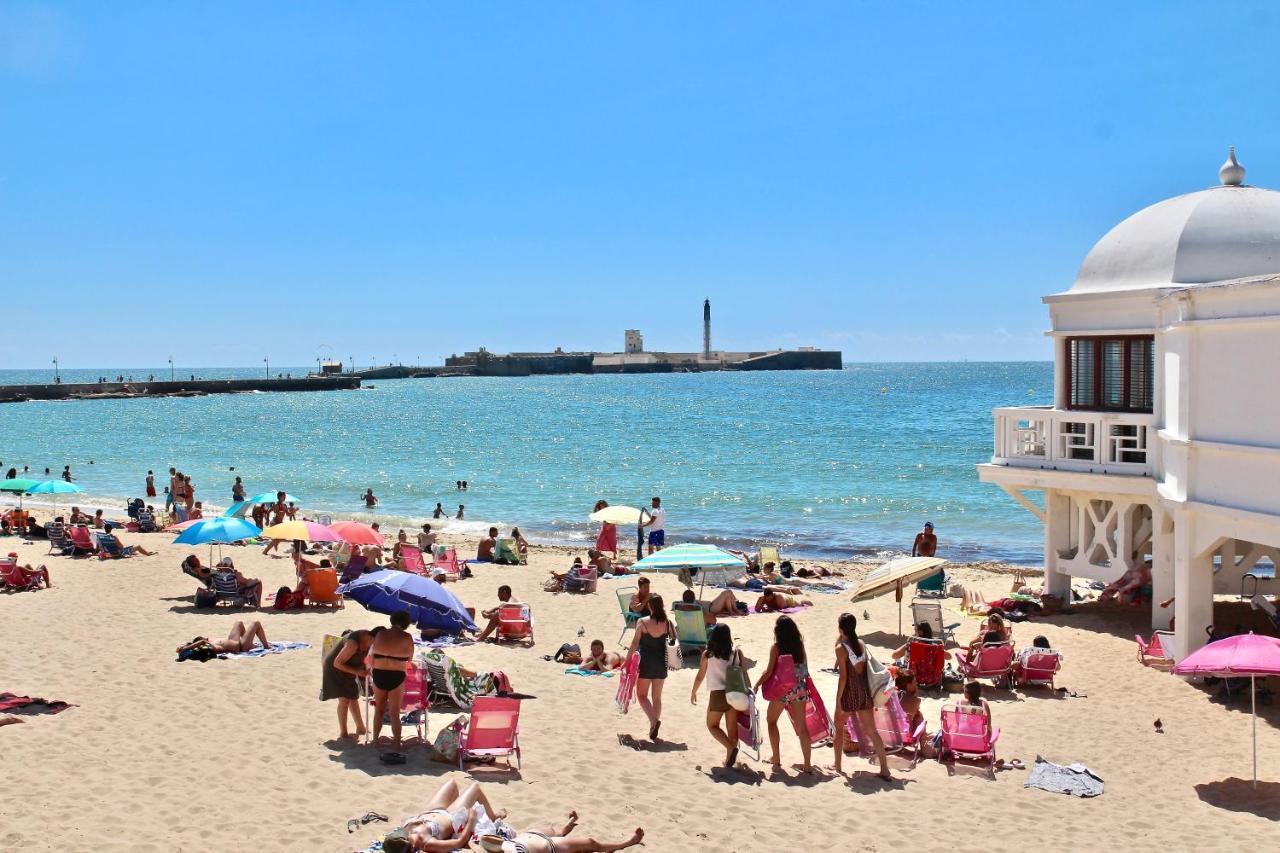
[228, 181]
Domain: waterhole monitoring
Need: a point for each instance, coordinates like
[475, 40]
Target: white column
[1057, 532]
[1162, 568]
[1192, 589]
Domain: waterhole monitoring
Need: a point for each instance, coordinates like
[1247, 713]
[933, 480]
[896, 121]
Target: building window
[1111, 374]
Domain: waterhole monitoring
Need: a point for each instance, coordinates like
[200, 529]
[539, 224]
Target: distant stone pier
[175, 388]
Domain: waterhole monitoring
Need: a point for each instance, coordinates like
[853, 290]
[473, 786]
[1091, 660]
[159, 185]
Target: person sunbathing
[724, 604]
[28, 573]
[504, 597]
[128, 550]
[599, 660]
[775, 600]
[240, 639]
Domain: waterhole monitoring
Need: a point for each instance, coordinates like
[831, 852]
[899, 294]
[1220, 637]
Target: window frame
[1126, 357]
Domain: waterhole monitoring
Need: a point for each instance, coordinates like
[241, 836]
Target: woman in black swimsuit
[391, 649]
[651, 641]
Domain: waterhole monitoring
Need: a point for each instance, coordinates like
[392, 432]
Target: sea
[826, 464]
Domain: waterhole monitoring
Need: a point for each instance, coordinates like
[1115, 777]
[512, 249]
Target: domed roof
[1226, 232]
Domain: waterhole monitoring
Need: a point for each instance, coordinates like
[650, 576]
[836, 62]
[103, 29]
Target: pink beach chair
[816, 718]
[1037, 668]
[411, 560]
[447, 561]
[492, 730]
[994, 661]
[515, 622]
[928, 660]
[1158, 651]
[896, 731]
[81, 540]
[14, 578]
[967, 731]
[416, 690]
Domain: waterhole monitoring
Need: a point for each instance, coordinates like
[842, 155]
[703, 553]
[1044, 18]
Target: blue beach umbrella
[217, 530]
[54, 487]
[429, 604]
[270, 498]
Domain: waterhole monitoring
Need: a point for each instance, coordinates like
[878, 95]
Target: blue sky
[237, 180]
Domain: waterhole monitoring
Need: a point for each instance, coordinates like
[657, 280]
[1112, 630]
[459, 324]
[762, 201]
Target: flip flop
[371, 817]
[1016, 764]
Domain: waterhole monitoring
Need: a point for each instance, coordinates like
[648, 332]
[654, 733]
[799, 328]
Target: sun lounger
[492, 730]
[691, 629]
[505, 553]
[629, 619]
[967, 731]
[322, 585]
[1037, 667]
[225, 588]
[994, 661]
[930, 612]
[927, 660]
[81, 540]
[1158, 651]
[515, 622]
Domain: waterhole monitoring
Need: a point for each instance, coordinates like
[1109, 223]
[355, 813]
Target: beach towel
[276, 649]
[573, 670]
[30, 705]
[442, 642]
[1074, 779]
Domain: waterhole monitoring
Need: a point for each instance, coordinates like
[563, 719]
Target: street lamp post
[56, 378]
[268, 364]
[170, 368]
[352, 360]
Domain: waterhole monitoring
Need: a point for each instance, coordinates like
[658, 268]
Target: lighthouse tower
[706, 329]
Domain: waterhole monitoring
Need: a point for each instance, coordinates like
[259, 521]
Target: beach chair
[354, 568]
[109, 550]
[492, 730]
[1158, 651]
[506, 553]
[629, 619]
[206, 583]
[59, 541]
[515, 622]
[769, 554]
[1037, 667]
[994, 661]
[411, 560]
[930, 612]
[927, 660]
[81, 540]
[817, 719]
[146, 522]
[322, 585]
[225, 588]
[15, 579]
[934, 586]
[895, 730]
[967, 731]
[749, 727]
[447, 561]
[415, 702]
[691, 629]
[446, 685]
[581, 579]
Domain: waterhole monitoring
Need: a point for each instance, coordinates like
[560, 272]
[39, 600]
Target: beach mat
[1074, 779]
[275, 649]
[13, 703]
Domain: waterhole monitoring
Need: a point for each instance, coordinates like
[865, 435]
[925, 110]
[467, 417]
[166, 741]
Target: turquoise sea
[826, 463]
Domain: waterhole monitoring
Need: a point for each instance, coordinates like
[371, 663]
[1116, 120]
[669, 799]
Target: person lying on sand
[240, 639]
[599, 660]
[775, 599]
[724, 604]
[452, 817]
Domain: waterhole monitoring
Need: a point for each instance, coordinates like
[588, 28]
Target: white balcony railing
[1056, 439]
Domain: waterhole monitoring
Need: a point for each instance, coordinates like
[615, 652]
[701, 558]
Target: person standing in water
[151, 484]
[926, 544]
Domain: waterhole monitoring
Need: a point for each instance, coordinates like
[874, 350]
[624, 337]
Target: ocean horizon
[826, 464]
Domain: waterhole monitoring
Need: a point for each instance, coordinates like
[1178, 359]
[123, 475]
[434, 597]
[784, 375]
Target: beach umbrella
[19, 486]
[54, 487]
[1235, 657]
[239, 509]
[355, 533]
[893, 575]
[217, 530]
[307, 531]
[429, 604]
[183, 525]
[691, 555]
[270, 498]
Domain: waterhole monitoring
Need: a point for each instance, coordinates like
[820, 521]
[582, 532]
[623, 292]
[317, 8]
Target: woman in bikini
[241, 639]
[392, 649]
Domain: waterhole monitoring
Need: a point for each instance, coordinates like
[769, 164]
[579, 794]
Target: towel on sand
[276, 648]
[573, 670]
[30, 705]
[1074, 779]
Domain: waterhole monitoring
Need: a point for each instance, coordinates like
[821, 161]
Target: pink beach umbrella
[1244, 654]
[355, 533]
[308, 531]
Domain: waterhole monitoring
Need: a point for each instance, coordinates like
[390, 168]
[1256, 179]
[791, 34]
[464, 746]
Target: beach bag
[879, 680]
[206, 598]
[781, 681]
[449, 739]
[674, 659]
[737, 690]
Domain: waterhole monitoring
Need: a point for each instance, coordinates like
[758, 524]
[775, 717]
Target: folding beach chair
[931, 612]
[108, 549]
[769, 554]
[81, 540]
[59, 541]
[515, 622]
[967, 731]
[1158, 651]
[14, 579]
[492, 730]
[895, 730]
[817, 719]
[994, 661]
[927, 660]
[411, 560]
[225, 588]
[629, 619]
[414, 703]
[934, 586]
[322, 585]
[1037, 667]
[749, 727]
[146, 522]
[446, 684]
[505, 553]
[691, 629]
[447, 561]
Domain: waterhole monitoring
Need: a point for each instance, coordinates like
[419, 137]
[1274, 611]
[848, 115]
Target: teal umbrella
[270, 498]
[54, 487]
[222, 528]
[681, 558]
[18, 486]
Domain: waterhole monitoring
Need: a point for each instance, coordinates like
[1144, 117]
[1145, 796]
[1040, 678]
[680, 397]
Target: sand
[238, 755]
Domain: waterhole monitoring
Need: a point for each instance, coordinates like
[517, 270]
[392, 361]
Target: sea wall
[176, 388]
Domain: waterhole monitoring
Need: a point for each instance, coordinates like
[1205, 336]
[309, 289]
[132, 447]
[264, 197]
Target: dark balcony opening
[1111, 374]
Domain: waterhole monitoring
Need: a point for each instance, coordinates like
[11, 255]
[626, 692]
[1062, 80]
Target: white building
[633, 342]
[1163, 442]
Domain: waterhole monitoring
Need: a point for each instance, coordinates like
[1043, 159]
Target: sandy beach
[238, 754]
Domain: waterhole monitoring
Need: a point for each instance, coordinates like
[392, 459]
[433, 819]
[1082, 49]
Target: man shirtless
[926, 544]
[426, 539]
[484, 553]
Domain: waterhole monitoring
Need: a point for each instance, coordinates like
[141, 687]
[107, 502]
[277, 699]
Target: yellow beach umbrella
[895, 574]
[307, 531]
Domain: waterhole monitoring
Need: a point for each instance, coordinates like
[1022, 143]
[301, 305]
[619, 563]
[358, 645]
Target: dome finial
[1232, 173]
